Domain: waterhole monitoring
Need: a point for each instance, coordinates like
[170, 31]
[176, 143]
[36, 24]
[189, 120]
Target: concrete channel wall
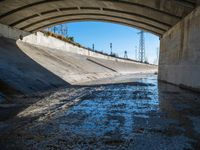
[39, 63]
[180, 53]
[11, 33]
[40, 39]
[48, 41]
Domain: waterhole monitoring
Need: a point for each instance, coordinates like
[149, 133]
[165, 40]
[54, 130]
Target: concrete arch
[93, 17]
[156, 16]
[98, 20]
[52, 15]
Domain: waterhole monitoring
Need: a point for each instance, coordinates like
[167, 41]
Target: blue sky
[122, 37]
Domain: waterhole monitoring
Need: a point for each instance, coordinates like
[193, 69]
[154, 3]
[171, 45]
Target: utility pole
[111, 48]
[125, 55]
[93, 47]
[141, 47]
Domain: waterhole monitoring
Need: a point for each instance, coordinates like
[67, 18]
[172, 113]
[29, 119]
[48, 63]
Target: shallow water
[138, 115]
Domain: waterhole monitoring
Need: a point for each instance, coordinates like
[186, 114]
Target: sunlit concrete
[29, 68]
[180, 53]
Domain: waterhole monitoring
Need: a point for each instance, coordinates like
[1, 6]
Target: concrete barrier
[180, 53]
[48, 41]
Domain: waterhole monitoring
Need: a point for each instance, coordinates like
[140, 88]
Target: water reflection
[139, 115]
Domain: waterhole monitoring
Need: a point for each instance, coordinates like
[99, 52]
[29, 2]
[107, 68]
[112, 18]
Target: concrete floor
[141, 114]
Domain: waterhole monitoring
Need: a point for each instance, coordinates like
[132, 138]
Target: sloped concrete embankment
[21, 74]
[27, 68]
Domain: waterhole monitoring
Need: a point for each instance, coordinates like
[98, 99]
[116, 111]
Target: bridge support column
[12, 33]
[180, 53]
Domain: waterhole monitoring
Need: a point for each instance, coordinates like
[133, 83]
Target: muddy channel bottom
[143, 114]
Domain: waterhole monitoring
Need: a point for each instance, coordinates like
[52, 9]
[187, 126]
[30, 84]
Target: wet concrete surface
[143, 114]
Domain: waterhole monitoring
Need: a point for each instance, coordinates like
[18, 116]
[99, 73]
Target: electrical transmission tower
[60, 29]
[142, 47]
[64, 30]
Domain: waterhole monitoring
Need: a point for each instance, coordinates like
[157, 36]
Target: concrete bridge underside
[177, 22]
[156, 16]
